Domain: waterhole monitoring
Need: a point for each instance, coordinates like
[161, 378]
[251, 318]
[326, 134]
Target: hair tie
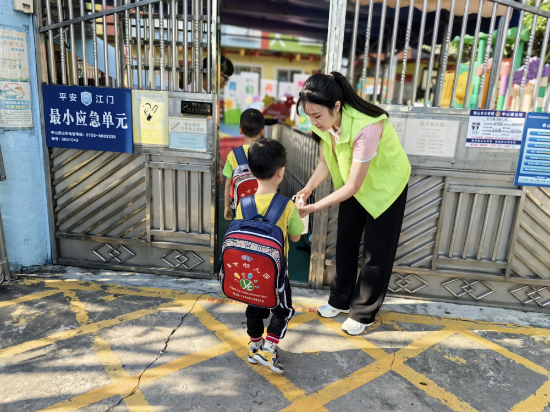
[330, 74]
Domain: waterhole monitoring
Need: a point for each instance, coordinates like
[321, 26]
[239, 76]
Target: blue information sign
[88, 118]
[187, 141]
[534, 157]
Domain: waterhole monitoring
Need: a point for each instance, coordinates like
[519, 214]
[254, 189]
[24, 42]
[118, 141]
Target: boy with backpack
[239, 182]
[255, 254]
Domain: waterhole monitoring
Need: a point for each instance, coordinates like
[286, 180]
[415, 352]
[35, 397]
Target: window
[286, 75]
[247, 69]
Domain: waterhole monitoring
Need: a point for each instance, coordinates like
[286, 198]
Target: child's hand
[227, 213]
[306, 210]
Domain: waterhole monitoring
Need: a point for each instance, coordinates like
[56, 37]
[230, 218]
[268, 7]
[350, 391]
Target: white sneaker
[327, 311]
[352, 327]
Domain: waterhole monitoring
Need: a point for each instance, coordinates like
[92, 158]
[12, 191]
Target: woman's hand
[306, 210]
[306, 192]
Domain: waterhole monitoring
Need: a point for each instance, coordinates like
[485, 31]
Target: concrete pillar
[23, 195]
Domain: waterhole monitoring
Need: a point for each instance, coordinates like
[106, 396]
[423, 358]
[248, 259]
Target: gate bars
[153, 45]
[469, 235]
[150, 39]
[458, 16]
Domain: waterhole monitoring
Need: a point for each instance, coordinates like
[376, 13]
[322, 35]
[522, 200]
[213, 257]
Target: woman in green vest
[370, 171]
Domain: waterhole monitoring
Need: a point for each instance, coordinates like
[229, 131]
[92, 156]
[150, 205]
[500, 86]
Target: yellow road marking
[239, 345]
[417, 379]
[116, 289]
[536, 402]
[28, 298]
[126, 385]
[112, 365]
[384, 362]
[504, 352]
[82, 330]
[369, 372]
[464, 323]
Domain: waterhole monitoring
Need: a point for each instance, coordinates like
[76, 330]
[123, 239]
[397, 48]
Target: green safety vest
[389, 170]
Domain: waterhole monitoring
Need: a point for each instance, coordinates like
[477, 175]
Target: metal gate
[153, 210]
[469, 235]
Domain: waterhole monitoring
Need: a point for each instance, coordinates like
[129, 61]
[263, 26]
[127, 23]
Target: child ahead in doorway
[252, 127]
[266, 160]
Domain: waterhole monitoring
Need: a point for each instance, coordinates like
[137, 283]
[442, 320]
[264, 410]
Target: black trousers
[364, 294]
[279, 321]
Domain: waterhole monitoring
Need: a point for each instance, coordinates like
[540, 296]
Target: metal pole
[474, 52]
[129, 55]
[406, 51]
[94, 41]
[497, 60]
[174, 76]
[105, 46]
[83, 36]
[445, 51]
[391, 76]
[151, 51]
[379, 54]
[487, 54]
[335, 42]
[185, 45]
[62, 43]
[366, 53]
[73, 48]
[138, 47]
[460, 49]
[541, 65]
[117, 48]
[197, 49]
[419, 50]
[527, 57]
[351, 60]
[432, 52]
[51, 55]
[161, 42]
[515, 54]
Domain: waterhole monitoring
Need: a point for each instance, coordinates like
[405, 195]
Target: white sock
[256, 345]
[270, 346]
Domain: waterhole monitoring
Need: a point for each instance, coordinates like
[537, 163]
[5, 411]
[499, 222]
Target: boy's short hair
[265, 158]
[252, 122]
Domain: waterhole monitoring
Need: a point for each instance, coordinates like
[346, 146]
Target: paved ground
[76, 339]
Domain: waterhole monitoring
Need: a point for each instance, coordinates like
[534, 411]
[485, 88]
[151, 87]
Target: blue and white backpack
[253, 262]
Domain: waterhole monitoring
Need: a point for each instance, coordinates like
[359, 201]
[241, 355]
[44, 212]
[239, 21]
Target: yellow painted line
[111, 363]
[28, 298]
[465, 323]
[536, 402]
[239, 345]
[504, 352]
[82, 330]
[417, 379]
[370, 372]
[116, 289]
[432, 389]
[126, 385]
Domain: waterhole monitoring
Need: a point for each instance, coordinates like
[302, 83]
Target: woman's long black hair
[326, 90]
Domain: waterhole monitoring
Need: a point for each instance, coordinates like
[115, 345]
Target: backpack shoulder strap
[248, 207]
[276, 208]
[240, 155]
